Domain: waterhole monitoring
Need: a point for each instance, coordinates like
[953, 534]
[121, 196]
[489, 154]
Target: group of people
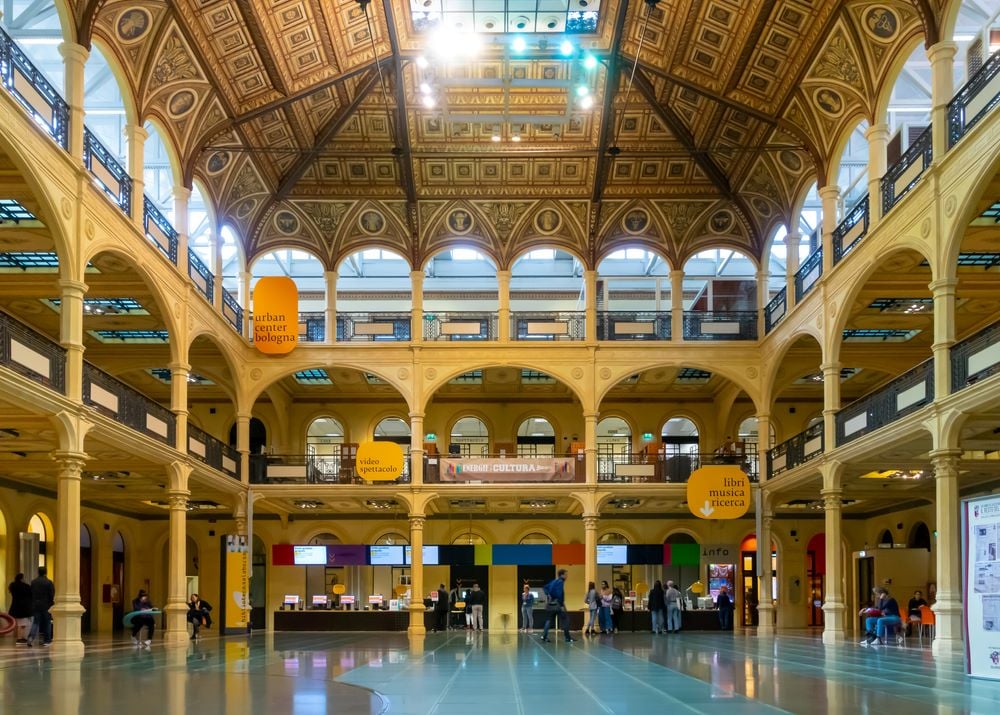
[665, 608]
[884, 616]
[474, 605]
[605, 608]
[29, 607]
[199, 614]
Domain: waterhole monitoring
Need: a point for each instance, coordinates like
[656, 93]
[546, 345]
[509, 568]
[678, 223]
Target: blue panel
[522, 554]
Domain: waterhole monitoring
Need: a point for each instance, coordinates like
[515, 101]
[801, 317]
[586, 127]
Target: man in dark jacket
[657, 606]
[555, 592]
[43, 597]
[476, 600]
[20, 607]
[441, 607]
[726, 607]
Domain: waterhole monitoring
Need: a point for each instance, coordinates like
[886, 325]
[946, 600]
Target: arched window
[614, 446]
[536, 438]
[885, 538]
[680, 537]
[258, 436]
[103, 105]
[308, 274]
[200, 228]
[556, 273]
[680, 436]
[158, 172]
[324, 441]
[747, 433]
[852, 178]
[392, 538]
[535, 538]
[469, 538]
[462, 280]
[613, 537]
[469, 437]
[719, 279]
[231, 266]
[39, 525]
[374, 280]
[395, 429]
[634, 279]
[37, 29]
[920, 537]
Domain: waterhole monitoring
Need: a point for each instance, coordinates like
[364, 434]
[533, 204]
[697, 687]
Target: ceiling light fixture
[590, 62]
[425, 88]
[515, 138]
[428, 101]
[566, 48]
[614, 149]
[582, 91]
[496, 137]
[422, 62]
[519, 44]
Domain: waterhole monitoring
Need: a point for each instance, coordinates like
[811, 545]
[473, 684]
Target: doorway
[815, 575]
[468, 575]
[117, 583]
[86, 578]
[536, 577]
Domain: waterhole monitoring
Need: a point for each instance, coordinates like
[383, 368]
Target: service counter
[345, 621]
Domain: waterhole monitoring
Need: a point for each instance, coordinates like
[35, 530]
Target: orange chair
[927, 620]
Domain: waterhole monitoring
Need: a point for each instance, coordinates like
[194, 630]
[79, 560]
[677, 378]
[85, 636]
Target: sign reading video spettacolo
[981, 531]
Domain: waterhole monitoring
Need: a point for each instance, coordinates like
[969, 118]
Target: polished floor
[483, 674]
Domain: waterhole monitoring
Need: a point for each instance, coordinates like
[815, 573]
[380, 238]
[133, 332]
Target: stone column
[590, 445]
[765, 603]
[590, 298]
[942, 57]
[835, 606]
[831, 403]
[244, 301]
[416, 448]
[944, 334]
[71, 334]
[182, 199]
[830, 194]
[590, 522]
[677, 305]
[330, 315]
[417, 608]
[792, 243]
[763, 444]
[948, 631]
[68, 608]
[243, 444]
[135, 140]
[416, 306]
[878, 142]
[179, 373]
[216, 240]
[503, 306]
[763, 297]
[74, 58]
[176, 608]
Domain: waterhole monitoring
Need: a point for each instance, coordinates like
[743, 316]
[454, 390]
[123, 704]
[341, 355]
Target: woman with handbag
[593, 601]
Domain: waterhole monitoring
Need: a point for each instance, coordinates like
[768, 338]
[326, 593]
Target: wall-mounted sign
[275, 315]
[379, 461]
[718, 491]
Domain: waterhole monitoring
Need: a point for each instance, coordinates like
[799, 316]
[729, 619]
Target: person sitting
[142, 603]
[199, 613]
[913, 610]
[880, 617]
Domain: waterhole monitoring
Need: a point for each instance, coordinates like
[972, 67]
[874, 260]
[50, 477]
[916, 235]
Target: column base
[67, 640]
[954, 647]
[765, 620]
[833, 619]
[176, 632]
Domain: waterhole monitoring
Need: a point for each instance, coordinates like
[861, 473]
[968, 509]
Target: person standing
[476, 599]
[527, 610]
[657, 606]
[142, 603]
[199, 612]
[617, 607]
[672, 598]
[725, 605]
[20, 607]
[593, 601]
[441, 609]
[555, 591]
[43, 597]
[605, 616]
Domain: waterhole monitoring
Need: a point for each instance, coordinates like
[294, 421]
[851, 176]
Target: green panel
[685, 554]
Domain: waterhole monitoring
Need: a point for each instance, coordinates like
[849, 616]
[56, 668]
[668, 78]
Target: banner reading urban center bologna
[981, 532]
[512, 469]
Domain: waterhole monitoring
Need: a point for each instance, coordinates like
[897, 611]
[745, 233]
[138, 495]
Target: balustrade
[460, 326]
[32, 354]
[977, 98]
[720, 325]
[798, 450]
[633, 325]
[907, 393]
[775, 310]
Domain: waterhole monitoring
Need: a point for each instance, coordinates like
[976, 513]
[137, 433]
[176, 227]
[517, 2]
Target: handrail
[633, 325]
[312, 469]
[884, 405]
[28, 86]
[921, 151]
[201, 276]
[808, 274]
[213, 452]
[108, 171]
[801, 448]
[159, 231]
[720, 325]
[851, 230]
[775, 310]
[959, 122]
[128, 406]
[232, 311]
[32, 354]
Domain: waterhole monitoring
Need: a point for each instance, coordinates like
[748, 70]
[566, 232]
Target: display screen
[319, 600]
[609, 554]
[346, 600]
[720, 575]
[430, 555]
[291, 599]
[385, 555]
[309, 555]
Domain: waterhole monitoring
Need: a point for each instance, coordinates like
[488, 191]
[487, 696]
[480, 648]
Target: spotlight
[422, 62]
[516, 138]
[587, 102]
[590, 62]
[428, 101]
[519, 44]
[566, 48]
[496, 137]
[425, 88]
[582, 91]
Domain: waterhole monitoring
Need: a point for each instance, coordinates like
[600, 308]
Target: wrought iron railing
[108, 171]
[775, 310]
[807, 275]
[633, 325]
[32, 354]
[977, 98]
[202, 277]
[798, 450]
[902, 176]
[127, 406]
[720, 325]
[461, 326]
[671, 468]
[975, 358]
[312, 327]
[312, 469]
[213, 452]
[159, 230]
[545, 326]
[28, 86]
[851, 230]
[907, 393]
[373, 327]
[232, 311]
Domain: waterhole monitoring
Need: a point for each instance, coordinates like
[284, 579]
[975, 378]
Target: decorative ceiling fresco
[331, 126]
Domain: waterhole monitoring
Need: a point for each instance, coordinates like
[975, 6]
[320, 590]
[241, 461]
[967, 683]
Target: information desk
[338, 621]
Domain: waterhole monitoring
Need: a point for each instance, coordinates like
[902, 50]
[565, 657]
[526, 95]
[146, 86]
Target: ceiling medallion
[460, 222]
[635, 221]
[547, 221]
[371, 222]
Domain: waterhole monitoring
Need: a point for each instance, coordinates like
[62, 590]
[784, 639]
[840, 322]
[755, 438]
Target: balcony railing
[979, 96]
[33, 92]
[905, 173]
[213, 452]
[121, 403]
[373, 327]
[159, 230]
[312, 327]
[502, 468]
[203, 279]
[461, 326]
[232, 311]
[110, 174]
[545, 326]
[311, 469]
[670, 468]
[907, 393]
[975, 358]
[31, 354]
[633, 325]
[720, 325]
[775, 310]
[795, 451]
[851, 230]
[807, 275]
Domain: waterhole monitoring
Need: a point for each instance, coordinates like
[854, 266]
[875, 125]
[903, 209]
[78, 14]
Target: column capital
[877, 132]
[793, 238]
[72, 52]
[945, 462]
[416, 415]
[830, 192]
[71, 464]
[591, 415]
[590, 521]
[136, 131]
[830, 367]
[74, 288]
[942, 51]
[417, 521]
[676, 273]
[832, 498]
[178, 500]
[181, 193]
[179, 367]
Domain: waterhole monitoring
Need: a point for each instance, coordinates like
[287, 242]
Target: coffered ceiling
[680, 125]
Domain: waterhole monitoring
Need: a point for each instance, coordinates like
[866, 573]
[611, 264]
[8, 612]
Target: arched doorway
[258, 436]
[684, 575]
[470, 437]
[748, 596]
[816, 573]
[324, 442]
[118, 583]
[612, 563]
[86, 577]
[679, 449]
[536, 438]
[258, 584]
[40, 531]
[614, 446]
[396, 429]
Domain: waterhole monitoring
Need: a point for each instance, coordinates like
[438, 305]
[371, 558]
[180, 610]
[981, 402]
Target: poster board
[981, 585]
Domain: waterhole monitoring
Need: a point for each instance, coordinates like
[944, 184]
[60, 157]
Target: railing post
[503, 304]
[135, 140]
[878, 143]
[590, 298]
[330, 314]
[417, 306]
[416, 448]
[831, 404]
[677, 305]
[944, 333]
[245, 277]
[74, 58]
[71, 334]
[590, 445]
[182, 198]
[792, 242]
[941, 56]
[830, 194]
[179, 373]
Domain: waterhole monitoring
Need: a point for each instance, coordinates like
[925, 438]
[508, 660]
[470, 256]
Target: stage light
[566, 48]
[519, 44]
[590, 62]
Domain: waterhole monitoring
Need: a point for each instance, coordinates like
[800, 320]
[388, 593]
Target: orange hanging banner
[275, 315]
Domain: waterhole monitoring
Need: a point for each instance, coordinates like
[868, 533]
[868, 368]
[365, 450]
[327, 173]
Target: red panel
[568, 554]
[282, 555]
[817, 544]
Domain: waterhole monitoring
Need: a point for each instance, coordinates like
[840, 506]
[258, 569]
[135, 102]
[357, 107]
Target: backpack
[616, 601]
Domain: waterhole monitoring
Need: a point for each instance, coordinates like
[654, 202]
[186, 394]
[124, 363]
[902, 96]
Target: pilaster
[942, 58]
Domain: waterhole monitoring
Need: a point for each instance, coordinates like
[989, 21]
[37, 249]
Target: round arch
[254, 392]
[230, 360]
[616, 534]
[685, 536]
[710, 242]
[771, 376]
[469, 537]
[381, 417]
[432, 386]
[391, 536]
[739, 379]
[324, 535]
[487, 428]
[274, 248]
[968, 204]
[634, 242]
[114, 61]
[548, 244]
[176, 169]
[338, 260]
[920, 537]
[903, 50]
[847, 125]
[885, 537]
[241, 254]
[41, 524]
[529, 414]
[450, 246]
[534, 530]
[326, 414]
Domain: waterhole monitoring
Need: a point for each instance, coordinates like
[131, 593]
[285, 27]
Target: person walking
[725, 605]
[441, 609]
[142, 603]
[555, 591]
[20, 608]
[199, 612]
[527, 610]
[476, 600]
[43, 597]
[617, 607]
[657, 606]
[672, 599]
[593, 601]
[605, 615]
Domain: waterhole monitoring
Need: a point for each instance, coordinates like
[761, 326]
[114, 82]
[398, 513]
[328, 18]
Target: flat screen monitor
[431, 555]
[291, 599]
[346, 600]
[319, 600]
[385, 555]
[309, 555]
[612, 554]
